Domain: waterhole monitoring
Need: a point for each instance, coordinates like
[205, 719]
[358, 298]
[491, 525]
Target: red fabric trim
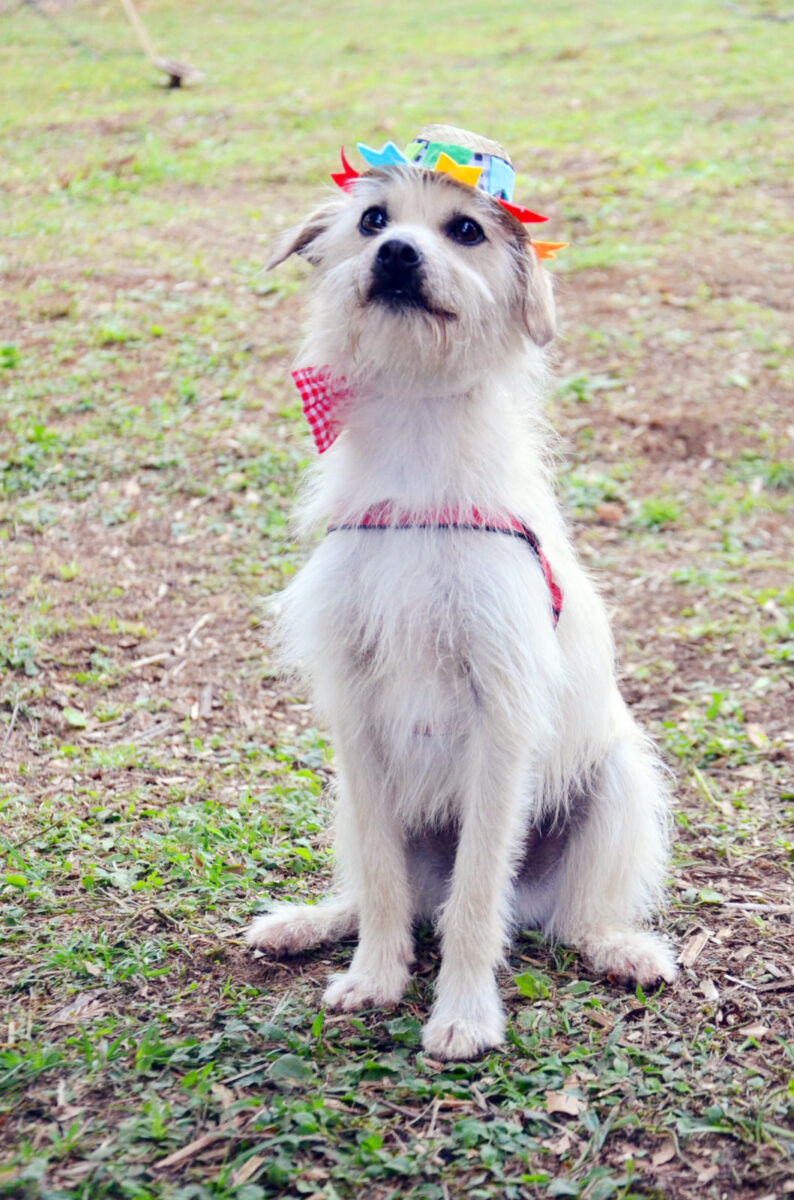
[346, 178]
[525, 215]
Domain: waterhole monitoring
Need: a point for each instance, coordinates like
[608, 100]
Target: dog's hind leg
[291, 928]
[612, 872]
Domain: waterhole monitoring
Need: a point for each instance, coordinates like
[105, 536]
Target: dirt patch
[152, 685]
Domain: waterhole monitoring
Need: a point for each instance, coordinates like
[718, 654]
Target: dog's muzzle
[398, 275]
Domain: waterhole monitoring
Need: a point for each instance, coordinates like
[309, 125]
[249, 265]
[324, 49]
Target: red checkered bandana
[324, 396]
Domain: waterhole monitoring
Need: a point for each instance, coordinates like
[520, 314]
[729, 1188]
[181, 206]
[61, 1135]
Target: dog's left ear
[540, 314]
[301, 238]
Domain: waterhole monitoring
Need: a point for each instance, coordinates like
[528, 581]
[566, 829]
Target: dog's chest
[401, 596]
[422, 610]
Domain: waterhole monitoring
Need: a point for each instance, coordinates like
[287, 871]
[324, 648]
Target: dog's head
[422, 277]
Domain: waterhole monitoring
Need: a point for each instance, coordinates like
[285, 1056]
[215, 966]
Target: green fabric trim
[458, 154]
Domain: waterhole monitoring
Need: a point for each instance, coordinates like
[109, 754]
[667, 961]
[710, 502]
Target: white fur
[455, 706]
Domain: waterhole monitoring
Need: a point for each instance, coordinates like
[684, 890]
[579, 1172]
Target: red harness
[325, 396]
[382, 516]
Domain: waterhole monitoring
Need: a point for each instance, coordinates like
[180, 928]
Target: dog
[490, 775]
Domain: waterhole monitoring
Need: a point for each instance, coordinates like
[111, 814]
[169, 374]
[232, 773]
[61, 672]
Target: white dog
[490, 775]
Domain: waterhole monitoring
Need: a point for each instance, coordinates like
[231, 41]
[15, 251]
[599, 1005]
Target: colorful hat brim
[391, 155]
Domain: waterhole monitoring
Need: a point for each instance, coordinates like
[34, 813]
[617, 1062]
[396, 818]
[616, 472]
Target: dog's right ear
[301, 238]
[539, 309]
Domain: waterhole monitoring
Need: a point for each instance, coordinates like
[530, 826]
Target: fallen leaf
[224, 1095]
[77, 1172]
[92, 968]
[693, 948]
[249, 1168]
[87, 1006]
[191, 1149]
[677, 301]
[709, 989]
[664, 1154]
[68, 1112]
[756, 736]
[756, 1030]
[610, 513]
[565, 1102]
[560, 1145]
[708, 1174]
[205, 701]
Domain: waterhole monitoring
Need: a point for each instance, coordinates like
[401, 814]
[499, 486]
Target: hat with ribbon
[467, 157]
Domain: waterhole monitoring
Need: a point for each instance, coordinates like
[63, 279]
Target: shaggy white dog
[490, 775]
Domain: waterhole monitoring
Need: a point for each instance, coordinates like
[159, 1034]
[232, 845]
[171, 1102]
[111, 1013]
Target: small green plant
[658, 512]
[20, 655]
[582, 388]
[583, 490]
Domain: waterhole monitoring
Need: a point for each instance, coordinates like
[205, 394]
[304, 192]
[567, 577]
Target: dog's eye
[373, 220]
[465, 231]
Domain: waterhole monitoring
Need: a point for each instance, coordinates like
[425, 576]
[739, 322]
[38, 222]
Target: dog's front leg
[467, 1016]
[372, 850]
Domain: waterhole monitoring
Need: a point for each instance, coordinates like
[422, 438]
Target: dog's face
[422, 278]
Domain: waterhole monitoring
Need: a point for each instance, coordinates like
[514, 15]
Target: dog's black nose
[397, 259]
[398, 275]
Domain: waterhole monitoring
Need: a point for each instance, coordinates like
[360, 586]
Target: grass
[158, 784]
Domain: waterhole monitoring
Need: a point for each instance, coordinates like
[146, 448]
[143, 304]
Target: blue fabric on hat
[388, 156]
[501, 179]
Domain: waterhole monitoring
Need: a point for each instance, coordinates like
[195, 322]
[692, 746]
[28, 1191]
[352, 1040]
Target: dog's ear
[540, 314]
[300, 239]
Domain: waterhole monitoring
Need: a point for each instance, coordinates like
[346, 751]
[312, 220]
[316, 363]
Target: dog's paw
[292, 928]
[633, 956]
[451, 1039]
[286, 931]
[355, 989]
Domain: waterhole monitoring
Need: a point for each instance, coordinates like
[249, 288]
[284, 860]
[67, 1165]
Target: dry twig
[177, 72]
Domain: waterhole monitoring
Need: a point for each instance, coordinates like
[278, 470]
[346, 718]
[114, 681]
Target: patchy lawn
[157, 782]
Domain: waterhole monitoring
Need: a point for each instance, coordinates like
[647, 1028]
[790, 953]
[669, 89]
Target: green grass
[158, 785]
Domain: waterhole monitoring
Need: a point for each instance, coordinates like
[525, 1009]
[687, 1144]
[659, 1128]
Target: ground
[158, 783]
